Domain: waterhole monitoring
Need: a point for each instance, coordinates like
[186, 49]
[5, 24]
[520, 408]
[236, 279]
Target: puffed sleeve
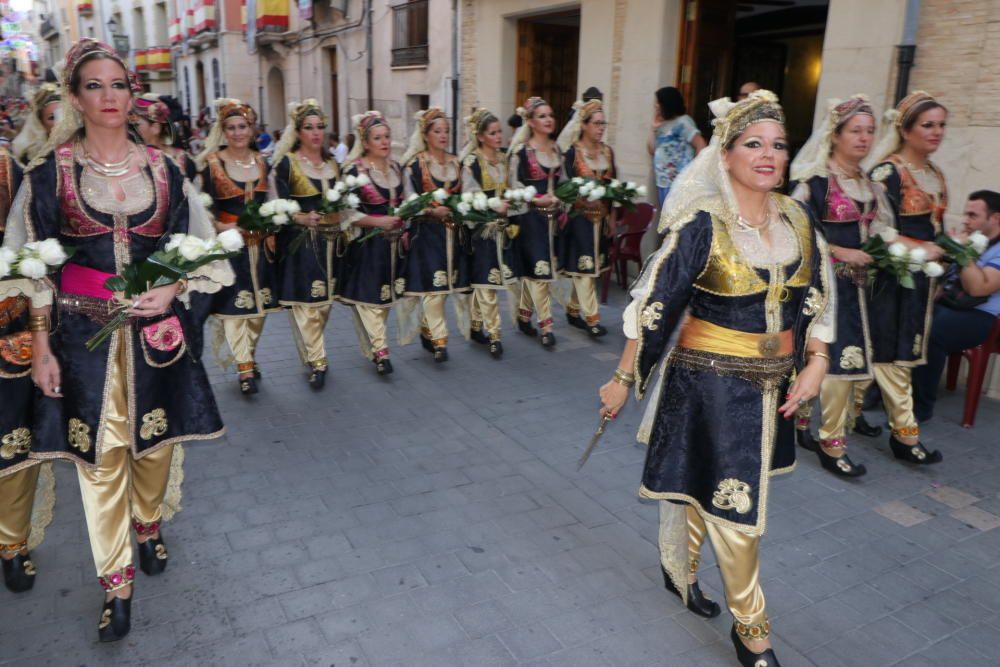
[887, 175]
[35, 217]
[825, 327]
[514, 171]
[665, 288]
[412, 179]
[469, 181]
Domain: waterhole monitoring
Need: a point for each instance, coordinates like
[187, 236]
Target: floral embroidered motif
[585, 263]
[399, 285]
[813, 303]
[440, 279]
[881, 173]
[318, 289]
[16, 348]
[385, 293]
[650, 315]
[917, 345]
[79, 435]
[154, 423]
[494, 277]
[161, 552]
[244, 299]
[165, 335]
[542, 268]
[105, 619]
[15, 443]
[852, 357]
[265, 295]
[733, 495]
[507, 272]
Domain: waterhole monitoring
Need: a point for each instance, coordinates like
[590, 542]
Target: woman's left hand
[805, 388]
[154, 302]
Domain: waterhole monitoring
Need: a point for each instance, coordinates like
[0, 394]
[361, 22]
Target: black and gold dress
[307, 273]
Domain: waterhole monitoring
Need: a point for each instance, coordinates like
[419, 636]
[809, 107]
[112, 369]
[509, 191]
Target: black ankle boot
[426, 343]
[748, 658]
[248, 386]
[576, 321]
[153, 556]
[862, 427]
[478, 336]
[805, 439]
[383, 366]
[18, 573]
[317, 378]
[913, 453]
[840, 465]
[116, 619]
[524, 326]
[548, 339]
[596, 331]
[440, 354]
[697, 602]
[496, 349]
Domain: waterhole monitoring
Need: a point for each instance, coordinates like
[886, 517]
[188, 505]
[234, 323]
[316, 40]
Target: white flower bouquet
[268, 217]
[35, 259]
[963, 252]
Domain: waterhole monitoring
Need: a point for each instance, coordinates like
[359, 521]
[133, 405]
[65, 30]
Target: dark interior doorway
[548, 55]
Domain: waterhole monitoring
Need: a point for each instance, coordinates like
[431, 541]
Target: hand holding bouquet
[963, 253]
[892, 256]
[413, 207]
[269, 217]
[181, 255]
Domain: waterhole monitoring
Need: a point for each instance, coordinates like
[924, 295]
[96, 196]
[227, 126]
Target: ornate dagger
[594, 440]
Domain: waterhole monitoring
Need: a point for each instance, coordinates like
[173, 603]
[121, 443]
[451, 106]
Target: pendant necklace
[249, 164]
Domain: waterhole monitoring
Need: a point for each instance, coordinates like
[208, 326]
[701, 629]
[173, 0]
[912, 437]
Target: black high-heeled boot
[440, 354]
[862, 427]
[426, 343]
[383, 366]
[697, 602]
[18, 573]
[317, 378]
[805, 439]
[913, 453]
[478, 336]
[576, 321]
[748, 658]
[152, 552]
[496, 349]
[248, 386]
[839, 465]
[596, 330]
[116, 619]
[525, 327]
[548, 339]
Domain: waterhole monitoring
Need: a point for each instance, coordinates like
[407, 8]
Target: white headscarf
[581, 112]
[812, 159]
[31, 139]
[524, 132]
[363, 124]
[417, 143]
[297, 113]
[475, 123]
[891, 137]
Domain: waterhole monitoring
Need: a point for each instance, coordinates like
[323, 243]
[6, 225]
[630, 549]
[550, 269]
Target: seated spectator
[967, 304]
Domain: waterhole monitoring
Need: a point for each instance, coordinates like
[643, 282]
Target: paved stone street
[436, 518]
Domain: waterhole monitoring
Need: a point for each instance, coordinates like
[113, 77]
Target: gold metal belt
[698, 334]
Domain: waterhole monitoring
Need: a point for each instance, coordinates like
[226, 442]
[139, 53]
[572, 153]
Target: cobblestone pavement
[436, 518]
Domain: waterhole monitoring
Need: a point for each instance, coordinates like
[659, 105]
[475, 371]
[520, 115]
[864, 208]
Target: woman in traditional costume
[850, 208]
[753, 271]
[20, 476]
[30, 141]
[900, 318]
[436, 264]
[371, 273]
[304, 171]
[120, 411]
[484, 170]
[535, 160]
[234, 174]
[583, 242]
[151, 119]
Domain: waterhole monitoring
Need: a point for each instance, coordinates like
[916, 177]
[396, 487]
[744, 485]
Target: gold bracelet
[38, 323]
[624, 383]
[624, 375]
[824, 355]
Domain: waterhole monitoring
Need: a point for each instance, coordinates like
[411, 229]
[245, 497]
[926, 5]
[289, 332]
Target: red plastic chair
[624, 247]
[979, 359]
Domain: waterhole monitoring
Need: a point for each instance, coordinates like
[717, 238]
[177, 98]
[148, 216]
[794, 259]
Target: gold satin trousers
[310, 321]
[242, 334]
[373, 321]
[485, 312]
[583, 299]
[120, 487]
[17, 499]
[897, 395]
[536, 297]
[836, 398]
[433, 324]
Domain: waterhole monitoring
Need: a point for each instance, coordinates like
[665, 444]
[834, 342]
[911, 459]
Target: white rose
[631, 186]
[979, 241]
[351, 180]
[353, 200]
[586, 188]
[495, 203]
[340, 186]
[280, 219]
[231, 240]
[615, 183]
[641, 190]
[467, 197]
[933, 269]
[292, 207]
[413, 195]
[50, 252]
[362, 180]
[4, 268]
[578, 180]
[529, 193]
[897, 249]
[440, 195]
[31, 267]
[174, 242]
[463, 208]
[599, 192]
[267, 208]
[513, 195]
[191, 248]
[889, 235]
[7, 255]
[333, 196]
[918, 255]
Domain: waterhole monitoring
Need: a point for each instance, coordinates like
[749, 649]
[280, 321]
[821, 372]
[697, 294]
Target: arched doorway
[275, 99]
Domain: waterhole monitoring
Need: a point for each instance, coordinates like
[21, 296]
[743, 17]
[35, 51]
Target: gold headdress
[475, 123]
[812, 159]
[297, 113]
[417, 143]
[732, 118]
[582, 111]
[363, 124]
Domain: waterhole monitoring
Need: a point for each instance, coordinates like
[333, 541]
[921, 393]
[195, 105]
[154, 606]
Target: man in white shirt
[337, 148]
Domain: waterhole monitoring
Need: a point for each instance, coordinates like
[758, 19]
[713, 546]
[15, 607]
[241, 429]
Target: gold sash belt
[697, 334]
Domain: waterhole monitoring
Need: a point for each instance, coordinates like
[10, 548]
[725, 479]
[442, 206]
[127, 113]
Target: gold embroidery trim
[79, 435]
[154, 423]
[15, 443]
[733, 494]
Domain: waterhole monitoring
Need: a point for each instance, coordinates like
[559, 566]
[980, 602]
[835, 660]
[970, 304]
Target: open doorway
[777, 43]
[548, 56]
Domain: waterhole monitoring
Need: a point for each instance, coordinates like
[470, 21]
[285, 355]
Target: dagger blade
[594, 440]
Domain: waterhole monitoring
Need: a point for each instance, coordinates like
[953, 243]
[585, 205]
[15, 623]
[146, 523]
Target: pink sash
[84, 281]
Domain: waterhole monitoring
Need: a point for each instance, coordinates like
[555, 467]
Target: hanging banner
[272, 15]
